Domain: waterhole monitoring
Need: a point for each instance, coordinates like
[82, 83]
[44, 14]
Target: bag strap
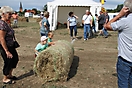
[86, 18]
[14, 37]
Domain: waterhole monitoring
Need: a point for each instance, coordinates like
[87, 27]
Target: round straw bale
[53, 64]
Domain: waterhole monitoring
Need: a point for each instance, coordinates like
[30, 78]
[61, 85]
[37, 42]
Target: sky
[38, 4]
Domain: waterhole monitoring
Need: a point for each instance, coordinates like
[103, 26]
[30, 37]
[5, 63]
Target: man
[122, 24]
[105, 33]
[87, 21]
[101, 21]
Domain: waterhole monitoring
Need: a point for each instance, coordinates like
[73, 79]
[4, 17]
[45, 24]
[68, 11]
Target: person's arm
[51, 43]
[83, 18]
[106, 21]
[91, 21]
[3, 43]
[36, 51]
[76, 16]
[97, 18]
[40, 23]
[46, 25]
[68, 24]
[83, 21]
[17, 17]
[122, 13]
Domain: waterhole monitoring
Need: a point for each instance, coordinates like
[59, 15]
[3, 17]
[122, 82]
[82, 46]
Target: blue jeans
[86, 30]
[44, 34]
[93, 28]
[15, 23]
[71, 30]
[124, 73]
[105, 32]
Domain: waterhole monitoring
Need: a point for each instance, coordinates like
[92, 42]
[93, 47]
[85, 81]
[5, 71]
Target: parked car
[36, 16]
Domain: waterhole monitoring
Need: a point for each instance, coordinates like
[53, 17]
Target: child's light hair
[50, 33]
[46, 14]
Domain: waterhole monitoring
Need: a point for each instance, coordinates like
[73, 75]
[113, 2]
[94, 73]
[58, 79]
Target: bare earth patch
[94, 63]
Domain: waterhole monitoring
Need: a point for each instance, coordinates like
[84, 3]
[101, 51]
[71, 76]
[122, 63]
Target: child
[50, 36]
[41, 46]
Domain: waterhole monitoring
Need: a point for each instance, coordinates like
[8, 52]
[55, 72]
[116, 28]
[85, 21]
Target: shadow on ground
[30, 73]
[74, 67]
[114, 74]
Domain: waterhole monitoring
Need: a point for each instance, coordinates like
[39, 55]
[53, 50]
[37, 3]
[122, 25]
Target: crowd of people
[120, 23]
[90, 24]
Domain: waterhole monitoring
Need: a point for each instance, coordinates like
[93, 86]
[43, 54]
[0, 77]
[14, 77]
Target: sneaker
[85, 39]
[106, 37]
[76, 38]
[72, 38]
[100, 34]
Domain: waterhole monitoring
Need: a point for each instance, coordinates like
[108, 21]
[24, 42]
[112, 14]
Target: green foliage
[35, 10]
[118, 8]
[45, 7]
[21, 13]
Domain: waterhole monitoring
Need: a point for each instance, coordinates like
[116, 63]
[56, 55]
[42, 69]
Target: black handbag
[16, 44]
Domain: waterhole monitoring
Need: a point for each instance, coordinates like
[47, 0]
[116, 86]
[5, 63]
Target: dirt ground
[94, 63]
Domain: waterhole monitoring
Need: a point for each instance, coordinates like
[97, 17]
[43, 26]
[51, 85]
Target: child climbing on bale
[41, 46]
[49, 41]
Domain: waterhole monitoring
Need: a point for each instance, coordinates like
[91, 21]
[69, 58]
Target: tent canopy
[60, 8]
[74, 3]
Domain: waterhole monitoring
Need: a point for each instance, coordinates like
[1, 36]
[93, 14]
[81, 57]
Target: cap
[43, 38]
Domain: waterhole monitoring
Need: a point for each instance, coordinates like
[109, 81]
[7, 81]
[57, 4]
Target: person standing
[87, 21]
[105, 33]
[44, 25]
[92, 27]
[72, 24]
[15, 19]
[7, 49]
[96, 22]
[122, 24]
[101, 21]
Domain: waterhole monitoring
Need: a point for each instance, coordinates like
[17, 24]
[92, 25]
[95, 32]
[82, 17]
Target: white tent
[59, 10]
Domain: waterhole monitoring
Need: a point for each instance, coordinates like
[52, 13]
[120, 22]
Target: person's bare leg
[100, 32]
[10, 73]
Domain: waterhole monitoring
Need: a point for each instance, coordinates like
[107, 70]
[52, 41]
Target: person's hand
[9, 55]
[123, 11]
[53, 43]
[104, 26]
[68, 28]
[91, 25]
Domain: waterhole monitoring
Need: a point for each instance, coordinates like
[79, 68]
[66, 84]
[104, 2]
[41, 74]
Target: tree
[35, 10]
[25, 10]
[45, 7]
[118, 9]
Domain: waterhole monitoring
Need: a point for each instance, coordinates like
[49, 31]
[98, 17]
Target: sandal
[13, 78]
[9, 82]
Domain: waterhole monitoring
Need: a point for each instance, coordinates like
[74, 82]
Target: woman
[72, 24]
[96, 22]
[44, 24]
[7, 50]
